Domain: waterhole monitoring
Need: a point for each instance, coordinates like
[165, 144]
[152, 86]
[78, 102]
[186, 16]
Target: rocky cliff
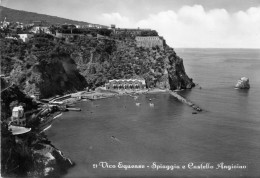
[40, 67]
[100, 60]
[30, 154]
[52, 66]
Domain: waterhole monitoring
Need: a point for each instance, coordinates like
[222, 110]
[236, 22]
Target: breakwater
[182, 99]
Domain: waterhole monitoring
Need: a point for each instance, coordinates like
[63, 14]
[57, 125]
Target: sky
[183, 23]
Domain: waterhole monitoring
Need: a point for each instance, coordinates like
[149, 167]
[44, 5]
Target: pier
[182, 99]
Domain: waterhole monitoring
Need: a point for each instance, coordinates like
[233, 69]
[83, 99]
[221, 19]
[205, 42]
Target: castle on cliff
[149, 41]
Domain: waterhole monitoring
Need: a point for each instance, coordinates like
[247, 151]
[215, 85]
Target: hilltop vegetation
[89, 57]
[13, 15]
[40, 65]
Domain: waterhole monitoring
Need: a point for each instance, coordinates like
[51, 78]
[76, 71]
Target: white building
[25, 37]
[4, 24]
[40, 29]
[18, 116]
[125, 84]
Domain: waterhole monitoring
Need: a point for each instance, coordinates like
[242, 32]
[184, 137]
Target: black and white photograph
[130, 88]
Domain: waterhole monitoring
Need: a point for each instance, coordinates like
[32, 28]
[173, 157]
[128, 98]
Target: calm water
[228, 131]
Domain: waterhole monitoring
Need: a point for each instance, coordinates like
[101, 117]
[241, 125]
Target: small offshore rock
[243, 83]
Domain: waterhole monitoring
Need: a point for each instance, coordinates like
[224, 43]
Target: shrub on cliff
[40, 63]
[149, 33]
[104, 32]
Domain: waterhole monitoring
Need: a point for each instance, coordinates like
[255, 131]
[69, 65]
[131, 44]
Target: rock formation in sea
[243, 83]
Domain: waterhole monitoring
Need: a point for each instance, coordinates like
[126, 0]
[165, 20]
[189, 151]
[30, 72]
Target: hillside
[13, 15]
[54, 66]
[51, 66]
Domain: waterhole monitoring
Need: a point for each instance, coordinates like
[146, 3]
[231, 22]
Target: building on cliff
[4, 24]
[92, 26]
[40, 27]
[18, 116]
[25, 36]
[132, 31]
[124, 84]
[149, 41]
[67, 35]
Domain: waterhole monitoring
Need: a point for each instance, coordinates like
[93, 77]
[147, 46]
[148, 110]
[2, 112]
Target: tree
[149, 33]
[104, 32]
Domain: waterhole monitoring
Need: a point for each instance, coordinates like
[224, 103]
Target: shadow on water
[243, 92]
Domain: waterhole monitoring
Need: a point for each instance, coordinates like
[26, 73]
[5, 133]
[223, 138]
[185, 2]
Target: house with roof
[25, 36]
[40, 27]
[17, 117]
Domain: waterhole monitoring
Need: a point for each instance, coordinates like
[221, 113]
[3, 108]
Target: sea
[114, 137]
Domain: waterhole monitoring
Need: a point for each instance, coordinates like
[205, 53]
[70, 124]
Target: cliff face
[52, 66]
[40, 66]
[59, 77]
[178, 79]
[100, 60]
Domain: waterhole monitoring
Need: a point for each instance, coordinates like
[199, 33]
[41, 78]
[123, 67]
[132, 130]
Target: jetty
[182, 99]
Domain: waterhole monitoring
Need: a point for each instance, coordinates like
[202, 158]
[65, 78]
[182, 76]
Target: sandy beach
[102, 93]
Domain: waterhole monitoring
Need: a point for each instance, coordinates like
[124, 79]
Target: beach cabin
[125, 84]
[18, 116]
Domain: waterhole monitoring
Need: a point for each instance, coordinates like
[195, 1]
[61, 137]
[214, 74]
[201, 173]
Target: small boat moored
[137, 104]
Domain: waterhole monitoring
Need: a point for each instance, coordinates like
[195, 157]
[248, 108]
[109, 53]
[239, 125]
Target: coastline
[101, 93]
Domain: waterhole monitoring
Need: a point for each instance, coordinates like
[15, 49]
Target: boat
[73, 109]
